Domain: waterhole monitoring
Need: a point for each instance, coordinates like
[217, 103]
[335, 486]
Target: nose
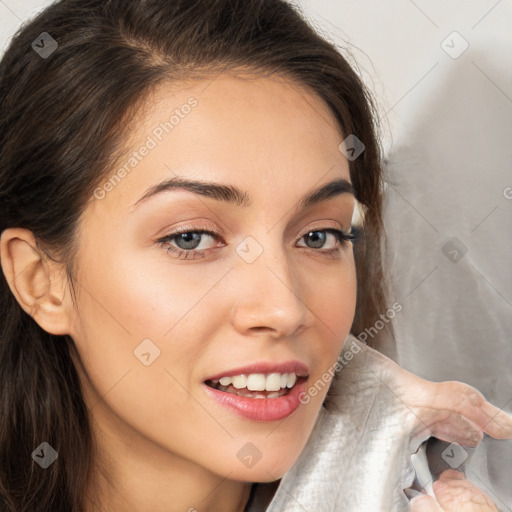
[269, 297]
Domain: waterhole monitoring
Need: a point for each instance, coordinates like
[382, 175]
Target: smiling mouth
[257, 385]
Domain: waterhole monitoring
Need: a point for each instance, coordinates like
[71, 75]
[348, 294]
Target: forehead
[268, 136]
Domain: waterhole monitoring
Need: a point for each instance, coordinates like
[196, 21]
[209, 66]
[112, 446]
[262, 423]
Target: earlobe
[39, 284]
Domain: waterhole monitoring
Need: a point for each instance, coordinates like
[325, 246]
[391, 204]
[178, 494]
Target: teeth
[225, 381]
[273, 382]
[256, 382]
[260, 382]
[239, 381]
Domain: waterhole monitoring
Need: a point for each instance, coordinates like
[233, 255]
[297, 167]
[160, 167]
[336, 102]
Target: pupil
[320, 240]
[191, 240]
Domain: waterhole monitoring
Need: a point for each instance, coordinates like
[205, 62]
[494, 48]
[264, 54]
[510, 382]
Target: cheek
[145, 315]
[140, 334]
[140, 296]
[331, 296]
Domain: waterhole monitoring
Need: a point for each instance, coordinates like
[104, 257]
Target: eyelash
[342, 237]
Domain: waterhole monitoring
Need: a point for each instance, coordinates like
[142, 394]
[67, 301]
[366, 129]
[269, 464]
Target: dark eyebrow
[234, 195]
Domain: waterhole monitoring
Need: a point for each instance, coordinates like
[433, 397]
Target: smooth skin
[163, 442]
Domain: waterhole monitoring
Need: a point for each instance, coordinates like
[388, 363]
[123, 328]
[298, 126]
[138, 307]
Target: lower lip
[260, 409]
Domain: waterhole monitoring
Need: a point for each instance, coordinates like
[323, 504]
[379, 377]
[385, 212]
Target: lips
[261, 392]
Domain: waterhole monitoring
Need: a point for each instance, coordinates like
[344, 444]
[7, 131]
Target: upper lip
[300, 369]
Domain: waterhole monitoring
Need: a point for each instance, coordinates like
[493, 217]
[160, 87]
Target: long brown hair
[62, 120]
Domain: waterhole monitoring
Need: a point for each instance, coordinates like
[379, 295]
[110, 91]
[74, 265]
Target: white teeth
[260, 382]
[256, 382]
[273, 382]
[239, 381]
[291, 380]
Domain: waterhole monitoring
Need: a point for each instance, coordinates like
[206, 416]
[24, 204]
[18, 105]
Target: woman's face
[162, 319]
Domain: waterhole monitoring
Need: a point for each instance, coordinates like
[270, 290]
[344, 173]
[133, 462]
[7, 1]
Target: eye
[188, 243]
[317, 238]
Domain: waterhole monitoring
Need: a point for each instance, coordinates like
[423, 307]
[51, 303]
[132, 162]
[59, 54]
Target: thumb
[425, 503]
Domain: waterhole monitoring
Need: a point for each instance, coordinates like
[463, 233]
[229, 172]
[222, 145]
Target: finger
[456, 396]
[455, 494]
[424, 504]
[452, 474]
[471, 404]
[433, 400]
[447, 426]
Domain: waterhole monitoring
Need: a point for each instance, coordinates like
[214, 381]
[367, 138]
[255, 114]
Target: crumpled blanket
[358, 457]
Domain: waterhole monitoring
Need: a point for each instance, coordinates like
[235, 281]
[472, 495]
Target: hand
[454, 494]
[451, 411]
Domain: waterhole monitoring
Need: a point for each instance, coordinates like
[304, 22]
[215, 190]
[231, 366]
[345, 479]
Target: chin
[261, 474]
[273, 463]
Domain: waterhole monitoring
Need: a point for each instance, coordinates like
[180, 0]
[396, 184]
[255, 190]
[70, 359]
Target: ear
[39, 284]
